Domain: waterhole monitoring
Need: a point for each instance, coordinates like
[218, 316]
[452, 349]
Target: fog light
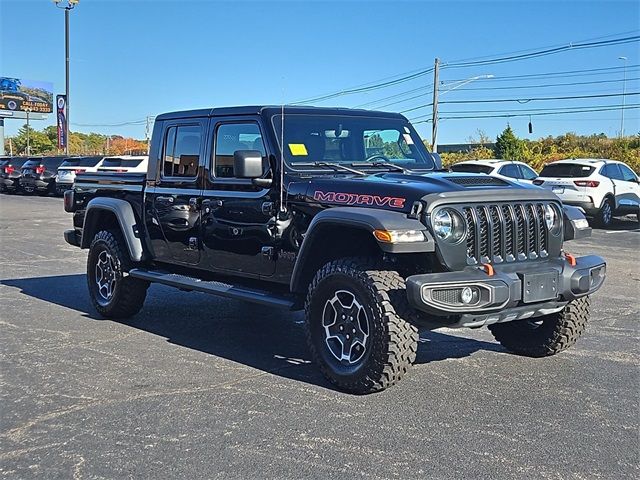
[467, 295]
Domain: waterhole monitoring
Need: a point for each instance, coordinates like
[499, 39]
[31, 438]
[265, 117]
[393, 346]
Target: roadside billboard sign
[19, 97]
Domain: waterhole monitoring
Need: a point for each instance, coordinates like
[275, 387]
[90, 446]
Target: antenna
[282, 207]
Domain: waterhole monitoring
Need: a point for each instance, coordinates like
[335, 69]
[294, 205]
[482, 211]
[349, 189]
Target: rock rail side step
[215, 288]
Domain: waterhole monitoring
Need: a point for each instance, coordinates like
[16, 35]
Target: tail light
[586, 183]
[538, 182]
[40, 169]
[8, 169]
[80, 170]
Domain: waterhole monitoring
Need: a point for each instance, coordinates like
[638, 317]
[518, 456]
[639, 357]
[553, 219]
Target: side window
[231, 137]
[181, 151]
[510, 170]
[627, 174]
[612, 171]
[528, 173]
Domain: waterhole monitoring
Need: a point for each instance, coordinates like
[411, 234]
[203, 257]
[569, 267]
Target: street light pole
[436, 90]
[28, 110]
[70, 4]
[624, 94]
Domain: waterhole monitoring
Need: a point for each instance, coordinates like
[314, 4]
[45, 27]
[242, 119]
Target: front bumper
[513, 292]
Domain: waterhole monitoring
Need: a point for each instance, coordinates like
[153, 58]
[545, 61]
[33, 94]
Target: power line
[602, 71]
[546, 85]
[527, 111]
[419, 73]
[547, 51]
[511, 115]
[566, 73]
[122, 124]
[536, 99]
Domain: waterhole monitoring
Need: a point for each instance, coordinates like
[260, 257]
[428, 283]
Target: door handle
[209, 203]
[165, 199]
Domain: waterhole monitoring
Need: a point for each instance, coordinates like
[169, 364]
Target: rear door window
[182, 151]
[612, 171]
[470, 168]
[567, 170]
[510, 170]
[81, 162]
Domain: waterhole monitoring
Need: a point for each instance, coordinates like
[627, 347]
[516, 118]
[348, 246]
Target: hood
[395, 191]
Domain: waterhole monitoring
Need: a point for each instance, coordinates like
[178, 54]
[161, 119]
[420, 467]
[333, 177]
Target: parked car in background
[38, 174]
[124, 164]
[505, 169]
[10, 173]
[72, 166]
[601, 188]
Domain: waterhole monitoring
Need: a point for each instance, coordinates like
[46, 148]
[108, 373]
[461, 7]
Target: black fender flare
[126, 219]
[366, 219]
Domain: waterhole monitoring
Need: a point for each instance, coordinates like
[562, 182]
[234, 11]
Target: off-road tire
[602, 218]
[556, 333]
[128, 293]
[393, 341]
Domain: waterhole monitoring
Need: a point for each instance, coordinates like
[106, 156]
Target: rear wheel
[545, 336]
[605, 214]
[113, 293]
[354, 329]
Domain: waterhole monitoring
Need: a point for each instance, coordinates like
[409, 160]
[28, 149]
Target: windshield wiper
[335, 166]
[398, 168]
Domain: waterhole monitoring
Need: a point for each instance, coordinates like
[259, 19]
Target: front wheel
[113, 293]
[547, 335]
[354, 326]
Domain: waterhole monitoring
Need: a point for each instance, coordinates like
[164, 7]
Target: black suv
[38, 174]
[10, 173]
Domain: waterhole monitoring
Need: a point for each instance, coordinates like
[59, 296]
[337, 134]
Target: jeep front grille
[505, 233]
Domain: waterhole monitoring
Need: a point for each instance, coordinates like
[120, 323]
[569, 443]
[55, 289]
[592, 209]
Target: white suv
[505, 169]
[602, 188]
[71, 167]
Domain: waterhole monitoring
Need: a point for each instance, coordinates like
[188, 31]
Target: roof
[489, 161]
[274, 110]
[584, 161]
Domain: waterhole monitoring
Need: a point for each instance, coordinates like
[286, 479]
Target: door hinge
[267, 208]
[268, 252]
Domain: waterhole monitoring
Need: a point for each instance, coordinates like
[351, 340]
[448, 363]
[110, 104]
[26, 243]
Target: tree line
[45, 142]
[537, 153]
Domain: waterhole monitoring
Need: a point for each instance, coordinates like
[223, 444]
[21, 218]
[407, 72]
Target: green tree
[39, 143]
[508, 146]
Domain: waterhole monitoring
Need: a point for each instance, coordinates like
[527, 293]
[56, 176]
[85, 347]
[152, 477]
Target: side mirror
[437, 160]
[247, 164]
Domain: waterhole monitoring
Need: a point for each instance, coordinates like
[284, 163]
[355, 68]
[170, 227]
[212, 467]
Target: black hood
[396, 191]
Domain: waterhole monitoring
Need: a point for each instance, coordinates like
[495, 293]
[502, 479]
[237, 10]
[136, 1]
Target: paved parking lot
[195, 386]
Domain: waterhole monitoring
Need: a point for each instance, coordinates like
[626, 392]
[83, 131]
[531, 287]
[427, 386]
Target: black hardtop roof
[275, 110]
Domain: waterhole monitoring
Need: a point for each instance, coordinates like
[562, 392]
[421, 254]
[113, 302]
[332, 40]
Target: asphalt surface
[195, 386]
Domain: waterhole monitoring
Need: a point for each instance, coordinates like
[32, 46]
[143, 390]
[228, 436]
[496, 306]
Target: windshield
[471, 168]
[81, 162]
[567, 170]
[351, 139]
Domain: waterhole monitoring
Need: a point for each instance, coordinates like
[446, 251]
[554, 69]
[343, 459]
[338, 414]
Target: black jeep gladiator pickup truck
[345, 214]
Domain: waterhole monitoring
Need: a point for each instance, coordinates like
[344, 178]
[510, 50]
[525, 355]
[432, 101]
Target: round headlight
[448, 225]
[442, 224]
[551, 219]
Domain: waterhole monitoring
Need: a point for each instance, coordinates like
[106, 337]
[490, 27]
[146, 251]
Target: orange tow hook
[570, 258]
[488, 268]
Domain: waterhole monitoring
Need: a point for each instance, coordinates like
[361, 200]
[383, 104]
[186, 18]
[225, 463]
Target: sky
[138, 58]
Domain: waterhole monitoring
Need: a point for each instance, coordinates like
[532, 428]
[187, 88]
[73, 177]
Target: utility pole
[28, 133]
[147, 132]
[624, 94]
[434, 118]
